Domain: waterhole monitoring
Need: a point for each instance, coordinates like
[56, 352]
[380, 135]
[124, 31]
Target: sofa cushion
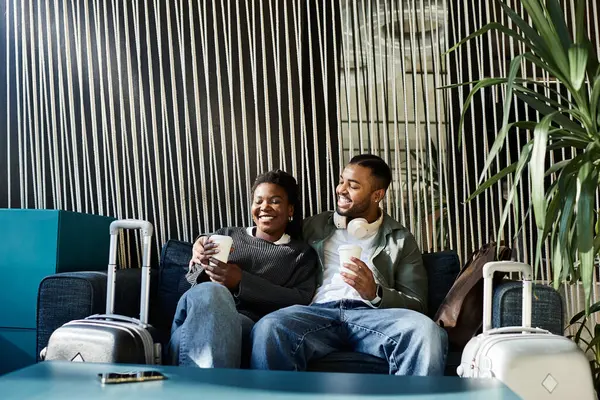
[67, 296]
[442, 269]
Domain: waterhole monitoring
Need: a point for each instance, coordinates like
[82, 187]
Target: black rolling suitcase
[111, 338]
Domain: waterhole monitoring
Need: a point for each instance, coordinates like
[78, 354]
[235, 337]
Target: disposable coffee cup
[346, 251]
[224, 248]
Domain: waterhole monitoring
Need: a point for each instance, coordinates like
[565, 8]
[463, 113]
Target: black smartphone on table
[131, 376]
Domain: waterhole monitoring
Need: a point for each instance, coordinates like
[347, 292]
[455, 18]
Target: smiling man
[373, 305]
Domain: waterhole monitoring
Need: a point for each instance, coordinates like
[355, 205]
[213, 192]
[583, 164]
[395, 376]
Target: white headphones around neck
[358, 228]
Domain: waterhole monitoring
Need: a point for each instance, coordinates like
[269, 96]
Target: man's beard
[355, 210]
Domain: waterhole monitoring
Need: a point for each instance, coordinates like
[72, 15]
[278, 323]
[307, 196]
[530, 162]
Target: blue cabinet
[33, 245]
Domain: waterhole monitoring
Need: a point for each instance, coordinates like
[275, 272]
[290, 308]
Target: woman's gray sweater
[273, 276]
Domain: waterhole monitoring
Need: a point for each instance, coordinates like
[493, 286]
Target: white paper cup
[224, 243]
[346, 251]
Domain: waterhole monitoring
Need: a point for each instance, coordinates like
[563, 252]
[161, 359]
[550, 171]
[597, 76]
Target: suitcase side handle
[147, 230]
[488, 275]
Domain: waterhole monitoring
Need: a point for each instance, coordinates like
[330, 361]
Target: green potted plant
[564, 209]
[587, 336]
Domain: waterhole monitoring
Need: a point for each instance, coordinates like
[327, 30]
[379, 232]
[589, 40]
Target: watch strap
[378, 294]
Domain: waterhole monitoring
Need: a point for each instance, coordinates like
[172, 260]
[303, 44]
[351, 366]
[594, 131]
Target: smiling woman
[275, 196]
[269, 268]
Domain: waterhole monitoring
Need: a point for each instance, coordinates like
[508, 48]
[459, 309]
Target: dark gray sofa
[68, 296]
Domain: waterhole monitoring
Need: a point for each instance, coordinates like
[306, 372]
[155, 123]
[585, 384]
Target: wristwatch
[378, 294]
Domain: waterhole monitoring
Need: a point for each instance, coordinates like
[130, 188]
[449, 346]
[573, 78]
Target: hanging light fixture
[408, 34]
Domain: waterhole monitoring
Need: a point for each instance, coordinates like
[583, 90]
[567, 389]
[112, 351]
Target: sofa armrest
[68, 296]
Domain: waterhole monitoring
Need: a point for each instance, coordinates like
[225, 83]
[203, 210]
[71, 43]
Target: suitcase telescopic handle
[488, 275]
[146, 228]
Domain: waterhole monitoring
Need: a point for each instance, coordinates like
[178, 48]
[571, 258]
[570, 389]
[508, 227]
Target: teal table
[64, 380]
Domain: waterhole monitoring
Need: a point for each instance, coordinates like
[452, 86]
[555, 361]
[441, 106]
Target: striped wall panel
[168, 110]
[163, 110]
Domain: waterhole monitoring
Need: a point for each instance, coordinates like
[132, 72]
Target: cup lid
[220, 237]
[349, 247]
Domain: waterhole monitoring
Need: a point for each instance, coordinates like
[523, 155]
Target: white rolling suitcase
[532, 362]
[112, 338]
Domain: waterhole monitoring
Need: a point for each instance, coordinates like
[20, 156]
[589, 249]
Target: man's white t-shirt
[333, 287]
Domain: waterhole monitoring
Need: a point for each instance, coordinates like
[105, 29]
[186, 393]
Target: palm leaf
[550, 68]
[558, 19]
[537, 169]
[493, 26]
[557, 261]
[515, 66]
[557, 166]
[566, 101]
[523, 160]
[595, 98]
[567, 186]
[551, 214]
[566, 143]
[592, 58]
[521, 87]
[593, 308]
[580, 22]
[538, 44]
[587, 180]
[548, 34]
[580, 331]
[578, 56]
[478, 86]
[545, 109]
[594, 342]
[582, 117]
[491, 181]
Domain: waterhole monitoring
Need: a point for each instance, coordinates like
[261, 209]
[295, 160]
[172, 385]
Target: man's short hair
[379, 168]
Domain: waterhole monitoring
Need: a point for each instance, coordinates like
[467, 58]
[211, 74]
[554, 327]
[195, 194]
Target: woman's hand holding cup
[228, 275]
[205, 247]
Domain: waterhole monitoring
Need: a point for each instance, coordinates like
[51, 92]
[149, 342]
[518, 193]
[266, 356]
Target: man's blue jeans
[288, 339]
[208, 331]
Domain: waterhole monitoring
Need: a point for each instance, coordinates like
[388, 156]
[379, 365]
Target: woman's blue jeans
[208, 331]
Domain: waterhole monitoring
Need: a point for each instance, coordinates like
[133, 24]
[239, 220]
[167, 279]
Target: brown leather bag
[461, 312]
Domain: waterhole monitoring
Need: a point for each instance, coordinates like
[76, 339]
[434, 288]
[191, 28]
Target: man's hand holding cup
[356, 273]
